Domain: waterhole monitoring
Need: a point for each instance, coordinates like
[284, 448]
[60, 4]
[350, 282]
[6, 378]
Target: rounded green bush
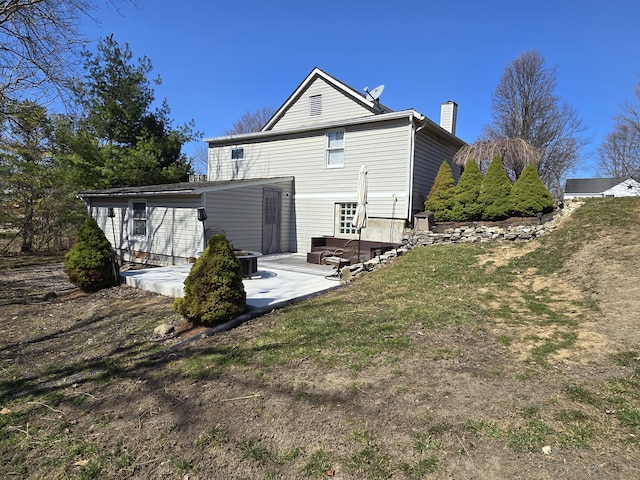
[88, 264]
[213, 290]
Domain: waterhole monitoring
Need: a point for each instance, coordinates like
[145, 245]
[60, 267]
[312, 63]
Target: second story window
[335, 149]
[237, 158]
[237, 154]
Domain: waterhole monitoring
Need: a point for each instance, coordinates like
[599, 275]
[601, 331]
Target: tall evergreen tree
[465, 202]
[129, 142]
[35, 198]
[494, 196]
[529, 195]
[440, 198]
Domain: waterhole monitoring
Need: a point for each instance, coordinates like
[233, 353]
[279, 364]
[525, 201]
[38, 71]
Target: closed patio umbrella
[360, 218]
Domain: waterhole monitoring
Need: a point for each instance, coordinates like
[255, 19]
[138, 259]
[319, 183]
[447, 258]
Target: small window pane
[336, 139]
[140, 227]
[139, 210]
[237, 154]
[347, 211]
[335, 157]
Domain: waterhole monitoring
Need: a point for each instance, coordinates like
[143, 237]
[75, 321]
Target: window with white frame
[237, 159]
[345, 217]
[335, 149]
[139, 219]
[237, 154]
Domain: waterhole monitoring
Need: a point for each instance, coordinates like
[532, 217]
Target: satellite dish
[375, 93]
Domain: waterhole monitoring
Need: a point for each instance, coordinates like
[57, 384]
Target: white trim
[412, 159]
[246, 138]
[348, 196]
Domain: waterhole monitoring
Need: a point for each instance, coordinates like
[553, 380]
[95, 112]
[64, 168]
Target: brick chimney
[449, 116]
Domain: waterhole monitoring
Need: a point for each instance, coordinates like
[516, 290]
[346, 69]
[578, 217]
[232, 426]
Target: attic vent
[315, 105]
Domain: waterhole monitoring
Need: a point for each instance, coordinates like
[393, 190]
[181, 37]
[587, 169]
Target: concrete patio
[280, 277]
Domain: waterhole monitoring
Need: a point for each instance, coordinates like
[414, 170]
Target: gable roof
[185, 188]
[589, 185]
[379, 113]
[363, 99]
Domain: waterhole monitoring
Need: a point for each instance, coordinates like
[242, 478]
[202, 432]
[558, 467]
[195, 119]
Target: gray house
[322, 134]
[600, 187]
[273, 190]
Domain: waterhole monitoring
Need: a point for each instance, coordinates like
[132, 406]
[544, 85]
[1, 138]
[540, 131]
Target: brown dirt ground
[48, 326]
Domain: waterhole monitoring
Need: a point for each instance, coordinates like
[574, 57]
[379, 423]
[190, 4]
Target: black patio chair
[339, 258]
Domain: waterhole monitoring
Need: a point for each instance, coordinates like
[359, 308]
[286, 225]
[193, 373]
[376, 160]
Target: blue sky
[220, 59]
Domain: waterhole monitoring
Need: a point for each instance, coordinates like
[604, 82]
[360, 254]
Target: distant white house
[274, 190]
[600, 187]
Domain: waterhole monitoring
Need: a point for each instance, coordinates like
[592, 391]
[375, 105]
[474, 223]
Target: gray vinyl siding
[336, 106]
[173, 228]
[173, 231]
[383, 147]
[116, 229]
[238, 212]
[430, 152]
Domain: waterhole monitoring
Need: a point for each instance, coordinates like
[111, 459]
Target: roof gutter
[256, 136]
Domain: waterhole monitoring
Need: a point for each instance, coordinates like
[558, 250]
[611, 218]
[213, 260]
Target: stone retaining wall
[473, 233]
[477, 232]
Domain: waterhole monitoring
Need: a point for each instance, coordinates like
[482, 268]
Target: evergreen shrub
[496, 189]
[440, 198]
[465, 201]
[213, 290]
[88, 264]
[529, 195]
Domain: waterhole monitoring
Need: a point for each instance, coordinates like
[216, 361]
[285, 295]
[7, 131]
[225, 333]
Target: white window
[345, 217]
[335, 149]
[237, 154]
[315, 105]
[237, 159]
[139, 219]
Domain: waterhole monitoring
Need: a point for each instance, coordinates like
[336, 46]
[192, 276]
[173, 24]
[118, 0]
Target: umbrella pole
[359, 238]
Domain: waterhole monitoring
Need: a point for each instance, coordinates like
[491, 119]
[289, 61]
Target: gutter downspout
[412, 156]
[414, 133]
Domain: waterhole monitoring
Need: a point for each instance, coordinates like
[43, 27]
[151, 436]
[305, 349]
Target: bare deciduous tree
[620, 150]
[200, 159]
[40, 39]
[524, 105]
[250, 121]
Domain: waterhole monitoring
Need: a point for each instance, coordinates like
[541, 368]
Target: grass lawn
[505, 360]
